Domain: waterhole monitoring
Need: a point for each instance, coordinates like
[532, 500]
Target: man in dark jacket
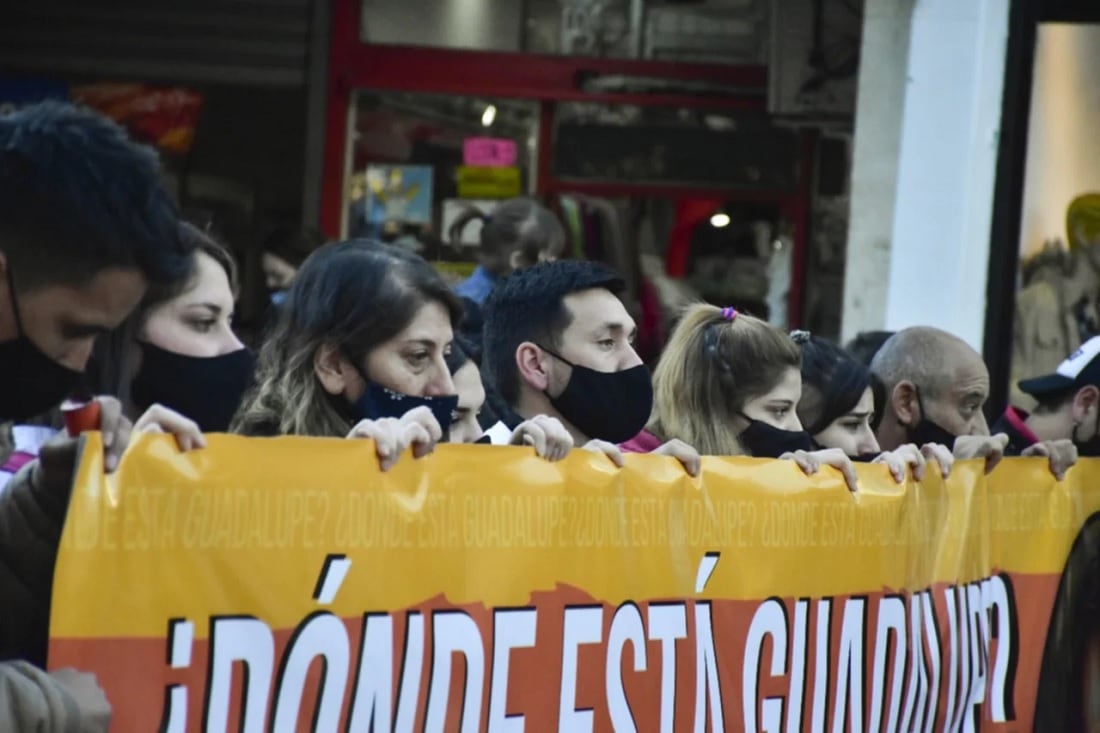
[85, 228]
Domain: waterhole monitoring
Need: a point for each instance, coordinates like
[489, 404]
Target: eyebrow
[860, 415]
[615, 328]
[214, 308]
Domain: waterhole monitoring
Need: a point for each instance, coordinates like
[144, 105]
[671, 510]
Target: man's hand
[941, 454]
[91, 701]
[1061, 453]
[991, 448]
[546, 435]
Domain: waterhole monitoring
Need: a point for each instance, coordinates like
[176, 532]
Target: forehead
[105, 300]
[595, 308]
[210, 278]
[966, 372]
[432, 322]
[789, 387]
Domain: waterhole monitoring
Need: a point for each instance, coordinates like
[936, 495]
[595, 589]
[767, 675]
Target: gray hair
[917, 355]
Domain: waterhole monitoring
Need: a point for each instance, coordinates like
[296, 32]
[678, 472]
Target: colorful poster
[166, 117]
[489, 152]
[285, 584]
[398, 195]
[488, 183]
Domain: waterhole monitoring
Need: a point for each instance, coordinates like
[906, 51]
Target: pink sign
[489, 152]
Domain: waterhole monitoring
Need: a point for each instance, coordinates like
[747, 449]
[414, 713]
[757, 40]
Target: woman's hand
[160, 419]
[417, 429]
[811, 462]
[900, 460]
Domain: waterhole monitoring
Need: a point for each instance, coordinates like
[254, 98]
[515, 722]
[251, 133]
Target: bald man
[936, 386]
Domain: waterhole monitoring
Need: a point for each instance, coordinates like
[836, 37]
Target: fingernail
[112, 462]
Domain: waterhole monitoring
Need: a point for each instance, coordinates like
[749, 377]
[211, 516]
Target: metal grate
[255, 42]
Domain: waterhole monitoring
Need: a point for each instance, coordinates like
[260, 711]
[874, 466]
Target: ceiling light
[720, 220]
[489, 115]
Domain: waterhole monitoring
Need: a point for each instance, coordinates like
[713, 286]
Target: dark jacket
[32, 514]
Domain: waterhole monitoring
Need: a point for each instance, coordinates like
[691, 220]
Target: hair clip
[729, 313]
[800, 337]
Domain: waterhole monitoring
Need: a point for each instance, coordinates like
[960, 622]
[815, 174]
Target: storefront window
[673, 146]
[1058, 306]
[424, 167]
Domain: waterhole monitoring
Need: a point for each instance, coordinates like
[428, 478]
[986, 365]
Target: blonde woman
[729, 385]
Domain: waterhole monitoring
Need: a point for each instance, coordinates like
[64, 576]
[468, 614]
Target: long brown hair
[712, 366]
[355, 296]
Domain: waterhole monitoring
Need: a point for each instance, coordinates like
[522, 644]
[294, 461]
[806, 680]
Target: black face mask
[206, 389]
[611, 406]
[31, 383]
[378, 402]
[1087, 448]
[762, 440]
[928, 431]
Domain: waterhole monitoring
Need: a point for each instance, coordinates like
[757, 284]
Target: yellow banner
[286, 584]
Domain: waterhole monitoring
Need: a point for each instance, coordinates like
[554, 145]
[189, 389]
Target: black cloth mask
[206, 389]
[929, 431]
[1087, 448]
[611, 406]
[762, 440]
[32, 382]
[378, 402]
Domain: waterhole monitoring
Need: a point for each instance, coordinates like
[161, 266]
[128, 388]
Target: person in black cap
[1068, 409]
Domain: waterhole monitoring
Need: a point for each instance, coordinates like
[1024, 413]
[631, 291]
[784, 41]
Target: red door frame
[355, 65]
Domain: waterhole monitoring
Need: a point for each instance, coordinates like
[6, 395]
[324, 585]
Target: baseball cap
[1080, 369]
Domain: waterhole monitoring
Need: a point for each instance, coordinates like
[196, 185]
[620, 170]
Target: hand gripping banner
[286, 584]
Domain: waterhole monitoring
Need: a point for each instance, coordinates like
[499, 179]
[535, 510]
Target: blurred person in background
[866, 344]
[519, 233]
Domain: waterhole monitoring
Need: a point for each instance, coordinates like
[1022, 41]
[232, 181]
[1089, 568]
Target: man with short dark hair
[559, 342]
[1068, 406]
[85, 226]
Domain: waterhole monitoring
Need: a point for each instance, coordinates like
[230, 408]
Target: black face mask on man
[206, 389]
[1088, 448]
[31, 383]
[762, 440]
[611, 406]
[927, 430]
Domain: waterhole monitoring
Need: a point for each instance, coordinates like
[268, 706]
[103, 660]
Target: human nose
[441, 383]
[867, 442]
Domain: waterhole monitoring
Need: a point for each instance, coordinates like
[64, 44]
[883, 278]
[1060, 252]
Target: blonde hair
[1084, 214]
[711, 367]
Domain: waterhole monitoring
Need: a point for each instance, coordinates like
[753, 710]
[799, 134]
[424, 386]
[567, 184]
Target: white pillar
[883, 65]
[946, 164]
